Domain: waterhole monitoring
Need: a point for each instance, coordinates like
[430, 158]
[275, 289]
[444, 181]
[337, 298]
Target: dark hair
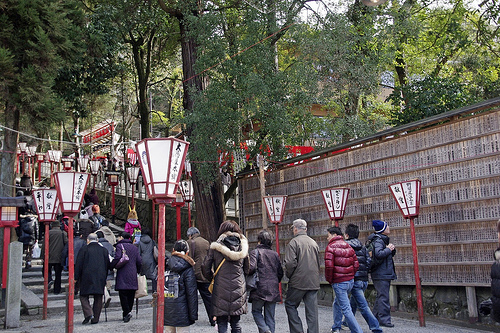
[99, 234]
[335, 231]
[352, 231]
[146, 231]
[125, 235]
[181, 245]
[265, 238]
[229, 225]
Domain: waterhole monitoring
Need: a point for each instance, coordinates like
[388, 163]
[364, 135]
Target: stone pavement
[404, 323]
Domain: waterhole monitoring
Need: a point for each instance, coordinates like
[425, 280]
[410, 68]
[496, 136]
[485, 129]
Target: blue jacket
[364, 259]
[386, 270]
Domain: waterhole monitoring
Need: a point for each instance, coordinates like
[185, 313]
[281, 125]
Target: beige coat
[302, 263]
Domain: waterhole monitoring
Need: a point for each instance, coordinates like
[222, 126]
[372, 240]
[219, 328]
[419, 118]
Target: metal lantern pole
[186, 187]
[178, 203]
[407, 196]
[335, 201]
[133, 174]
[70, 188]
[31, 154]
[161, 161]
[22, 147]
[275, 207]
[46, 204]
[113, 180]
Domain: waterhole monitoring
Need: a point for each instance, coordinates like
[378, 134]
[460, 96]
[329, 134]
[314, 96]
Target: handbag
[36, 251]
[252, 280]
[124, 259]
[211, 286]
[142, 286]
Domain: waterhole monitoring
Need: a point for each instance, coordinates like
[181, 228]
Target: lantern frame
[187, 190]
[407, 196]
[70, 188]
[46, 204]
[335, 201]
[95, 165]
[67, 163]
[54, 156]
[133, 174]
[162, 162]
[83, 163]
[275, 207]
[113, 177]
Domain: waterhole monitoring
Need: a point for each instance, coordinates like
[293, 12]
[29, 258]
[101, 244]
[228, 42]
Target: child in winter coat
[181, 301]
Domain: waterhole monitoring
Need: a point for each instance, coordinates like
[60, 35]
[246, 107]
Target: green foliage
[428, 97]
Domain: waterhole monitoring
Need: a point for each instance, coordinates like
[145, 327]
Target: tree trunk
[210, 212]
[142, 77]
[9, 154]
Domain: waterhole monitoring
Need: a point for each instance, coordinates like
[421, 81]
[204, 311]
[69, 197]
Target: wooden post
[472, 304]
[262, 181]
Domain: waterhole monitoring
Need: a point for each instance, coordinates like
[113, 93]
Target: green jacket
[302, 264]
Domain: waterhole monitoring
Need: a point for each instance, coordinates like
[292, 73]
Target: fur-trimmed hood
[236, 252]
[178, 262]
[184, 256]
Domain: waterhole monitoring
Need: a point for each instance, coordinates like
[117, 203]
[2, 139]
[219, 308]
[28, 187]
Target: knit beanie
[379, 226]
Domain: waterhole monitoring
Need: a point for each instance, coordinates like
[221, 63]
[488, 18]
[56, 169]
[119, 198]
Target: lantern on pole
[275, 207]
[70, 188]
[83, 163]
[54, 156]
[133, 174]
[335, 201]
[113, 180]
[40, 157]
[161, 161]
[94, 169]
[178, 203]
[22, 151]
[46, 204]
[187, 192]
[407, 196]
[67, 163]
[8, 220]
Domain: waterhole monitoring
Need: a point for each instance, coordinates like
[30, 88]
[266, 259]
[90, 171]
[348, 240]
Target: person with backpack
[181, 295]
[27, 233]
[382, 270]
[266, 262]
[133, 226]
[96, 217]
[358, 299]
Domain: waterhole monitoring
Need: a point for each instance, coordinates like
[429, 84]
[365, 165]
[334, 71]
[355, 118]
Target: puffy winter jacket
[183, 310]
[364, 259]
[341, 263]
[126, 276]
[146, 250]
[229, 297]
[269, 271]
[386, 270]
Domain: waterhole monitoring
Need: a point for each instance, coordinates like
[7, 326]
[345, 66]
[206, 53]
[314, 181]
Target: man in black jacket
[383, 273]
[91, 270]
[358, 299]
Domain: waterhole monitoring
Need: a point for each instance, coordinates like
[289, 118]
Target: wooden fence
[456, 155]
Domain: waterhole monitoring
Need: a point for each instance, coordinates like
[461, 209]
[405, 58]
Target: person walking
[149, 262]
[341, 264]
[133, 226]
[181, 310]
[198, 251]
[57, 240]
[96, 217]
[126, 276]
[302, 267]
[267, 263]
[91, 270]
[111, 273]
[108, 233]
[383, 273]
[358, 300]
[229, 256]
[27, 233]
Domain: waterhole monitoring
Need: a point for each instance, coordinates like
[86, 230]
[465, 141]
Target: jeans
[234, 321]
[342, 306]
[264, 323]
[358, 300]
[292, 302]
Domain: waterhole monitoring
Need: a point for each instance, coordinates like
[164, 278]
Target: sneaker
[335, 331]
[51, 283]
[127, 318]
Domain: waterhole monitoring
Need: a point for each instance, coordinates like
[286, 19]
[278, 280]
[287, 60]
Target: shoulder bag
[211, 286]
[124, 259]
[252, 280]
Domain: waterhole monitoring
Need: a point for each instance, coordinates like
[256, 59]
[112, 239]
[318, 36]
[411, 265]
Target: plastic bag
[36, 251]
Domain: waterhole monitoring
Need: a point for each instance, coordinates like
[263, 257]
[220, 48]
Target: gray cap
[300, 224]
[192, 231]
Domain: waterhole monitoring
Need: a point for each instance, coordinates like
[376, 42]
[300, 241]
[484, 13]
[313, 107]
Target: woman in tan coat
[229, 297]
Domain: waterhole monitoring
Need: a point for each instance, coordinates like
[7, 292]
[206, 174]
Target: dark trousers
[96, 308]
[57, 276]
[382, 306]
[126, 301]
[206, 296]
[234, 321]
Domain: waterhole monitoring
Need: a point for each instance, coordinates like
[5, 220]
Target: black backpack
[370, 247]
